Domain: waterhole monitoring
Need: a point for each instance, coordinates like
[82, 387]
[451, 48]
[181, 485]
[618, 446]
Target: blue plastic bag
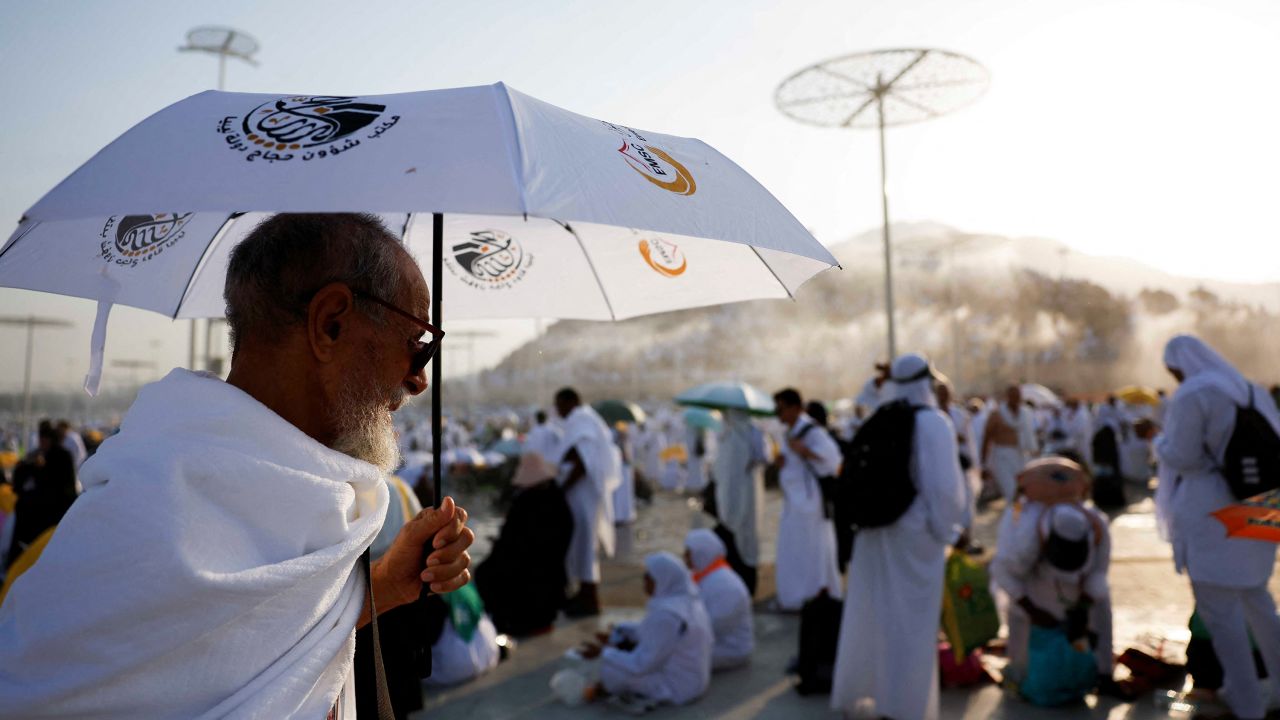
[1057, 673]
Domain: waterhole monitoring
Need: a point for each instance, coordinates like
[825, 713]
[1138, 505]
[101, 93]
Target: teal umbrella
[727, 396]
[703, 418]
[619, 411]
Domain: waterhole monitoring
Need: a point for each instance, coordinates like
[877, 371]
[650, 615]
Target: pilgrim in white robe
[544, 439]
[702, 454]
[887, 662]
[671, 660]
[209, 570]
[468, 644]
[1021, 570]
[589, 496]
[725, 596]
[1006, 461]
[739, 479]
[807, 562]
[1228, 575]
[624, 496]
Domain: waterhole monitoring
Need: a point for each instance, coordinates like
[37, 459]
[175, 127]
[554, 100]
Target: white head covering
[1068, 522]
[705, 547]
[532, 470]
[912, 379]
[1202, 365]
[673, 588]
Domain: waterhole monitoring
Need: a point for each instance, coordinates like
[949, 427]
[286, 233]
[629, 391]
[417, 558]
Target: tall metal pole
[26, 383]
[437, 297]
[888, 256]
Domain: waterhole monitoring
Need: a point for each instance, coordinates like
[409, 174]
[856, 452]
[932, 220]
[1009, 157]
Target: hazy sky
[1142, 128]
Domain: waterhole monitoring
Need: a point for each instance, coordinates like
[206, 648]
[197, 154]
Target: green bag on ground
[969, 616]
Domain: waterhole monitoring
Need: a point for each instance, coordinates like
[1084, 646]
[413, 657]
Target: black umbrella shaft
[437, 296]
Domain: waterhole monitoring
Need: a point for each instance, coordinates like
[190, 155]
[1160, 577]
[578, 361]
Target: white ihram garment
[887, 662]
[726, 598]
[671, 661]
[807, 561]
[589, 497]
[624, 496]
[545, 440]
[1228, 575]
[740, 483]
[1006, 461]
[209, 570]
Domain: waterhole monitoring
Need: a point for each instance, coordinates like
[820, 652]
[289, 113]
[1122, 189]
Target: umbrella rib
[591, 264]
[18, 239]
[516, 149]
[771, 272]
[204, 257]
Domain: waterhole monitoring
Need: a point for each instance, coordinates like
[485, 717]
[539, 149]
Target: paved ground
[1151, 606]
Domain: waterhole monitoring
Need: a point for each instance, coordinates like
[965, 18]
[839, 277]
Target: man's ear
[328, 316]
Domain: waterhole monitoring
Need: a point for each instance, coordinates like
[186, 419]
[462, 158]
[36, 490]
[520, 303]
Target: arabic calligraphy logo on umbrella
[320, 125]
[664, 256]
[490, 259]
[653, 163]
[139, 238]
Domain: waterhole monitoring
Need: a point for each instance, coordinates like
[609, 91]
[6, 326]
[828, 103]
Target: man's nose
[416, 383]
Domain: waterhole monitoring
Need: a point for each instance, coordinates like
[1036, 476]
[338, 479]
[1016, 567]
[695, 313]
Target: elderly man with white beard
[213, 566]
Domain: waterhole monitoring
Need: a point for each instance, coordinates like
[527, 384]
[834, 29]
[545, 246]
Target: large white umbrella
[728, 396]
[520, 208]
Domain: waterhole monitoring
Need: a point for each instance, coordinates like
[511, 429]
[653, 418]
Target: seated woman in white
[468, 644]
[726, 598]
[669, 660]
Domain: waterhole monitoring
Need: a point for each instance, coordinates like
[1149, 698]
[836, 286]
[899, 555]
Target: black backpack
[1251, 463]
[875, 485]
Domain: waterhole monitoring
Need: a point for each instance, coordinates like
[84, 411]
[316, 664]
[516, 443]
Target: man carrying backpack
[1220, 444]
[806, 537]
[889, 633]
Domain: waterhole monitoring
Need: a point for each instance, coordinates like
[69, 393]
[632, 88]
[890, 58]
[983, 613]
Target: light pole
[31, 322]
[224, 42]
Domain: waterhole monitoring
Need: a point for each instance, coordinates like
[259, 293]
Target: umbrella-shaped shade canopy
[1040, 396]
[509, 447]
[700, 417]
[1257, 518]
[727, 396]
[619, 411]
[1138, 395]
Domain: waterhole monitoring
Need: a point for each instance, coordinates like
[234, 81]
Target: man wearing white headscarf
[888, 653]
[1045, 585]
[590, 470]
[725, 597]
[670, 658]
[1228, 575]
[740, 485]
[807, 561]
[1009, 440]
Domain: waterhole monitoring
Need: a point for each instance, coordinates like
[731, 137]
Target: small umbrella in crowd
[1257, 518]
[619, 411]
[703, 418]
[1137, 395]
[1040, 396]
[519, 208]
[727, 396]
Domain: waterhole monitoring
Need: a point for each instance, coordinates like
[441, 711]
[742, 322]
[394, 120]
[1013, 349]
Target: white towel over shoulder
[207, 571]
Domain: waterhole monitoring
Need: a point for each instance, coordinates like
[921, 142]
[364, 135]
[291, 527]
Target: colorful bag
[1057, 672]
[969, 616]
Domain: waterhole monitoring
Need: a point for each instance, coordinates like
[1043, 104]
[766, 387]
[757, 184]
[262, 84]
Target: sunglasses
[425, 350]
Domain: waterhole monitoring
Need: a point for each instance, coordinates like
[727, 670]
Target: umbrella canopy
[1138, 395]
[1040, 396]
[1257, 518]
[509, 447]
[520, 208]
[468, 456]
[705, 418]
[728, 396]
[619, 411]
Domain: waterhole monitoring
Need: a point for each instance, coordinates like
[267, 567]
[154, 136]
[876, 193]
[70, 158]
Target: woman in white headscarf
[1228, 575]
[670, 656]
[726, 598]
[887, 661]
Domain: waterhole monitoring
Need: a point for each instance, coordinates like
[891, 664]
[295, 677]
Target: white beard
[367, 431]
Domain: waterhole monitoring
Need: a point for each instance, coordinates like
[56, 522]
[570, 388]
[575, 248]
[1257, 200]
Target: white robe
[455, 661]
[728, 604]
[671, 662]
[1019, 571]
[589, 497]
[545, 440]
[624, 496]
[209, 570]
[887, 662]
[807, 561]
[740, 483]
[1006, 461]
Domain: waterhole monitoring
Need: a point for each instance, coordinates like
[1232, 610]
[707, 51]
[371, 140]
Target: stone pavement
[1151, 604]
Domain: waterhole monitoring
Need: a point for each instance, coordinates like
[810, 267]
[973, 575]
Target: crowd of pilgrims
[574, 479]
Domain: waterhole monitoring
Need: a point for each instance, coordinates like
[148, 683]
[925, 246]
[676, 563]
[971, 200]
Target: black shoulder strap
[805, 430]
[384, 695]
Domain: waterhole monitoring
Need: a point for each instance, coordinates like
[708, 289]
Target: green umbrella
[727, 396]
[703, 418]
[619, 411]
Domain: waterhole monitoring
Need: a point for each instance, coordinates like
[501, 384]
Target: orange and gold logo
[653, 163]
[664, 256]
